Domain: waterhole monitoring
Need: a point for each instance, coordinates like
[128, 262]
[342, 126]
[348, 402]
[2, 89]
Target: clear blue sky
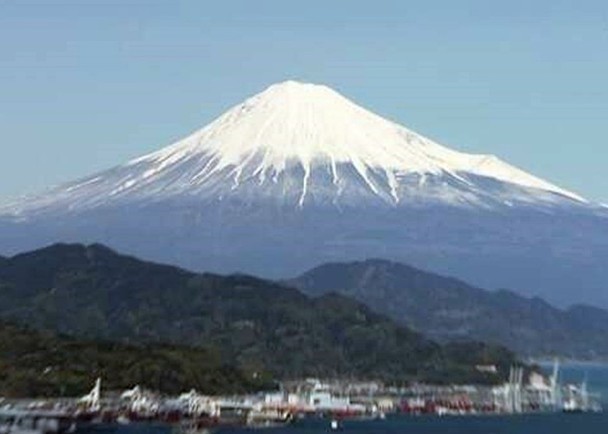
[88, 84]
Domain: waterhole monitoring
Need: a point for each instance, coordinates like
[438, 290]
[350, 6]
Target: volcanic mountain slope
[297, 144]
[449, 309]
[252, 324]
[299, 175]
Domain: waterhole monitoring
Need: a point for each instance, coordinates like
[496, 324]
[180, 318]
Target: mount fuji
[298, 175]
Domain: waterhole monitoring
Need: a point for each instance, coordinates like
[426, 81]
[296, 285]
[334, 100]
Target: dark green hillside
[44, 364]
[254, 324]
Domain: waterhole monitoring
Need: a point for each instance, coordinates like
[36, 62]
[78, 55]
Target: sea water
[558, 423]
[517, 424]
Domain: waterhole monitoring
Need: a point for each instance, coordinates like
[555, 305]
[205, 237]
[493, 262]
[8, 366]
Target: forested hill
[449, 309]
[34, 364]
[256, 325]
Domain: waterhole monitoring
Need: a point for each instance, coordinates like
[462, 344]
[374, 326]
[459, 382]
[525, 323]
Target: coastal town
[335, 401]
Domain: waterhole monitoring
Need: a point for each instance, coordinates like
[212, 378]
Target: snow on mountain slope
[304, 143]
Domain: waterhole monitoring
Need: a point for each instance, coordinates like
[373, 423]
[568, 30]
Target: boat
[268, 417]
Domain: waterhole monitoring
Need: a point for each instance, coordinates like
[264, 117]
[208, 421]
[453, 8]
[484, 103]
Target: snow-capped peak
[293, 123]
[299, 143]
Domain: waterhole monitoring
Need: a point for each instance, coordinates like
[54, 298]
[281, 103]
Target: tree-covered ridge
[256, 325]
[34, 363]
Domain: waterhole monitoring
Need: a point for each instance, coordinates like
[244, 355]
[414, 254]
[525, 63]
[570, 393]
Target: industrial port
[335, 400]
